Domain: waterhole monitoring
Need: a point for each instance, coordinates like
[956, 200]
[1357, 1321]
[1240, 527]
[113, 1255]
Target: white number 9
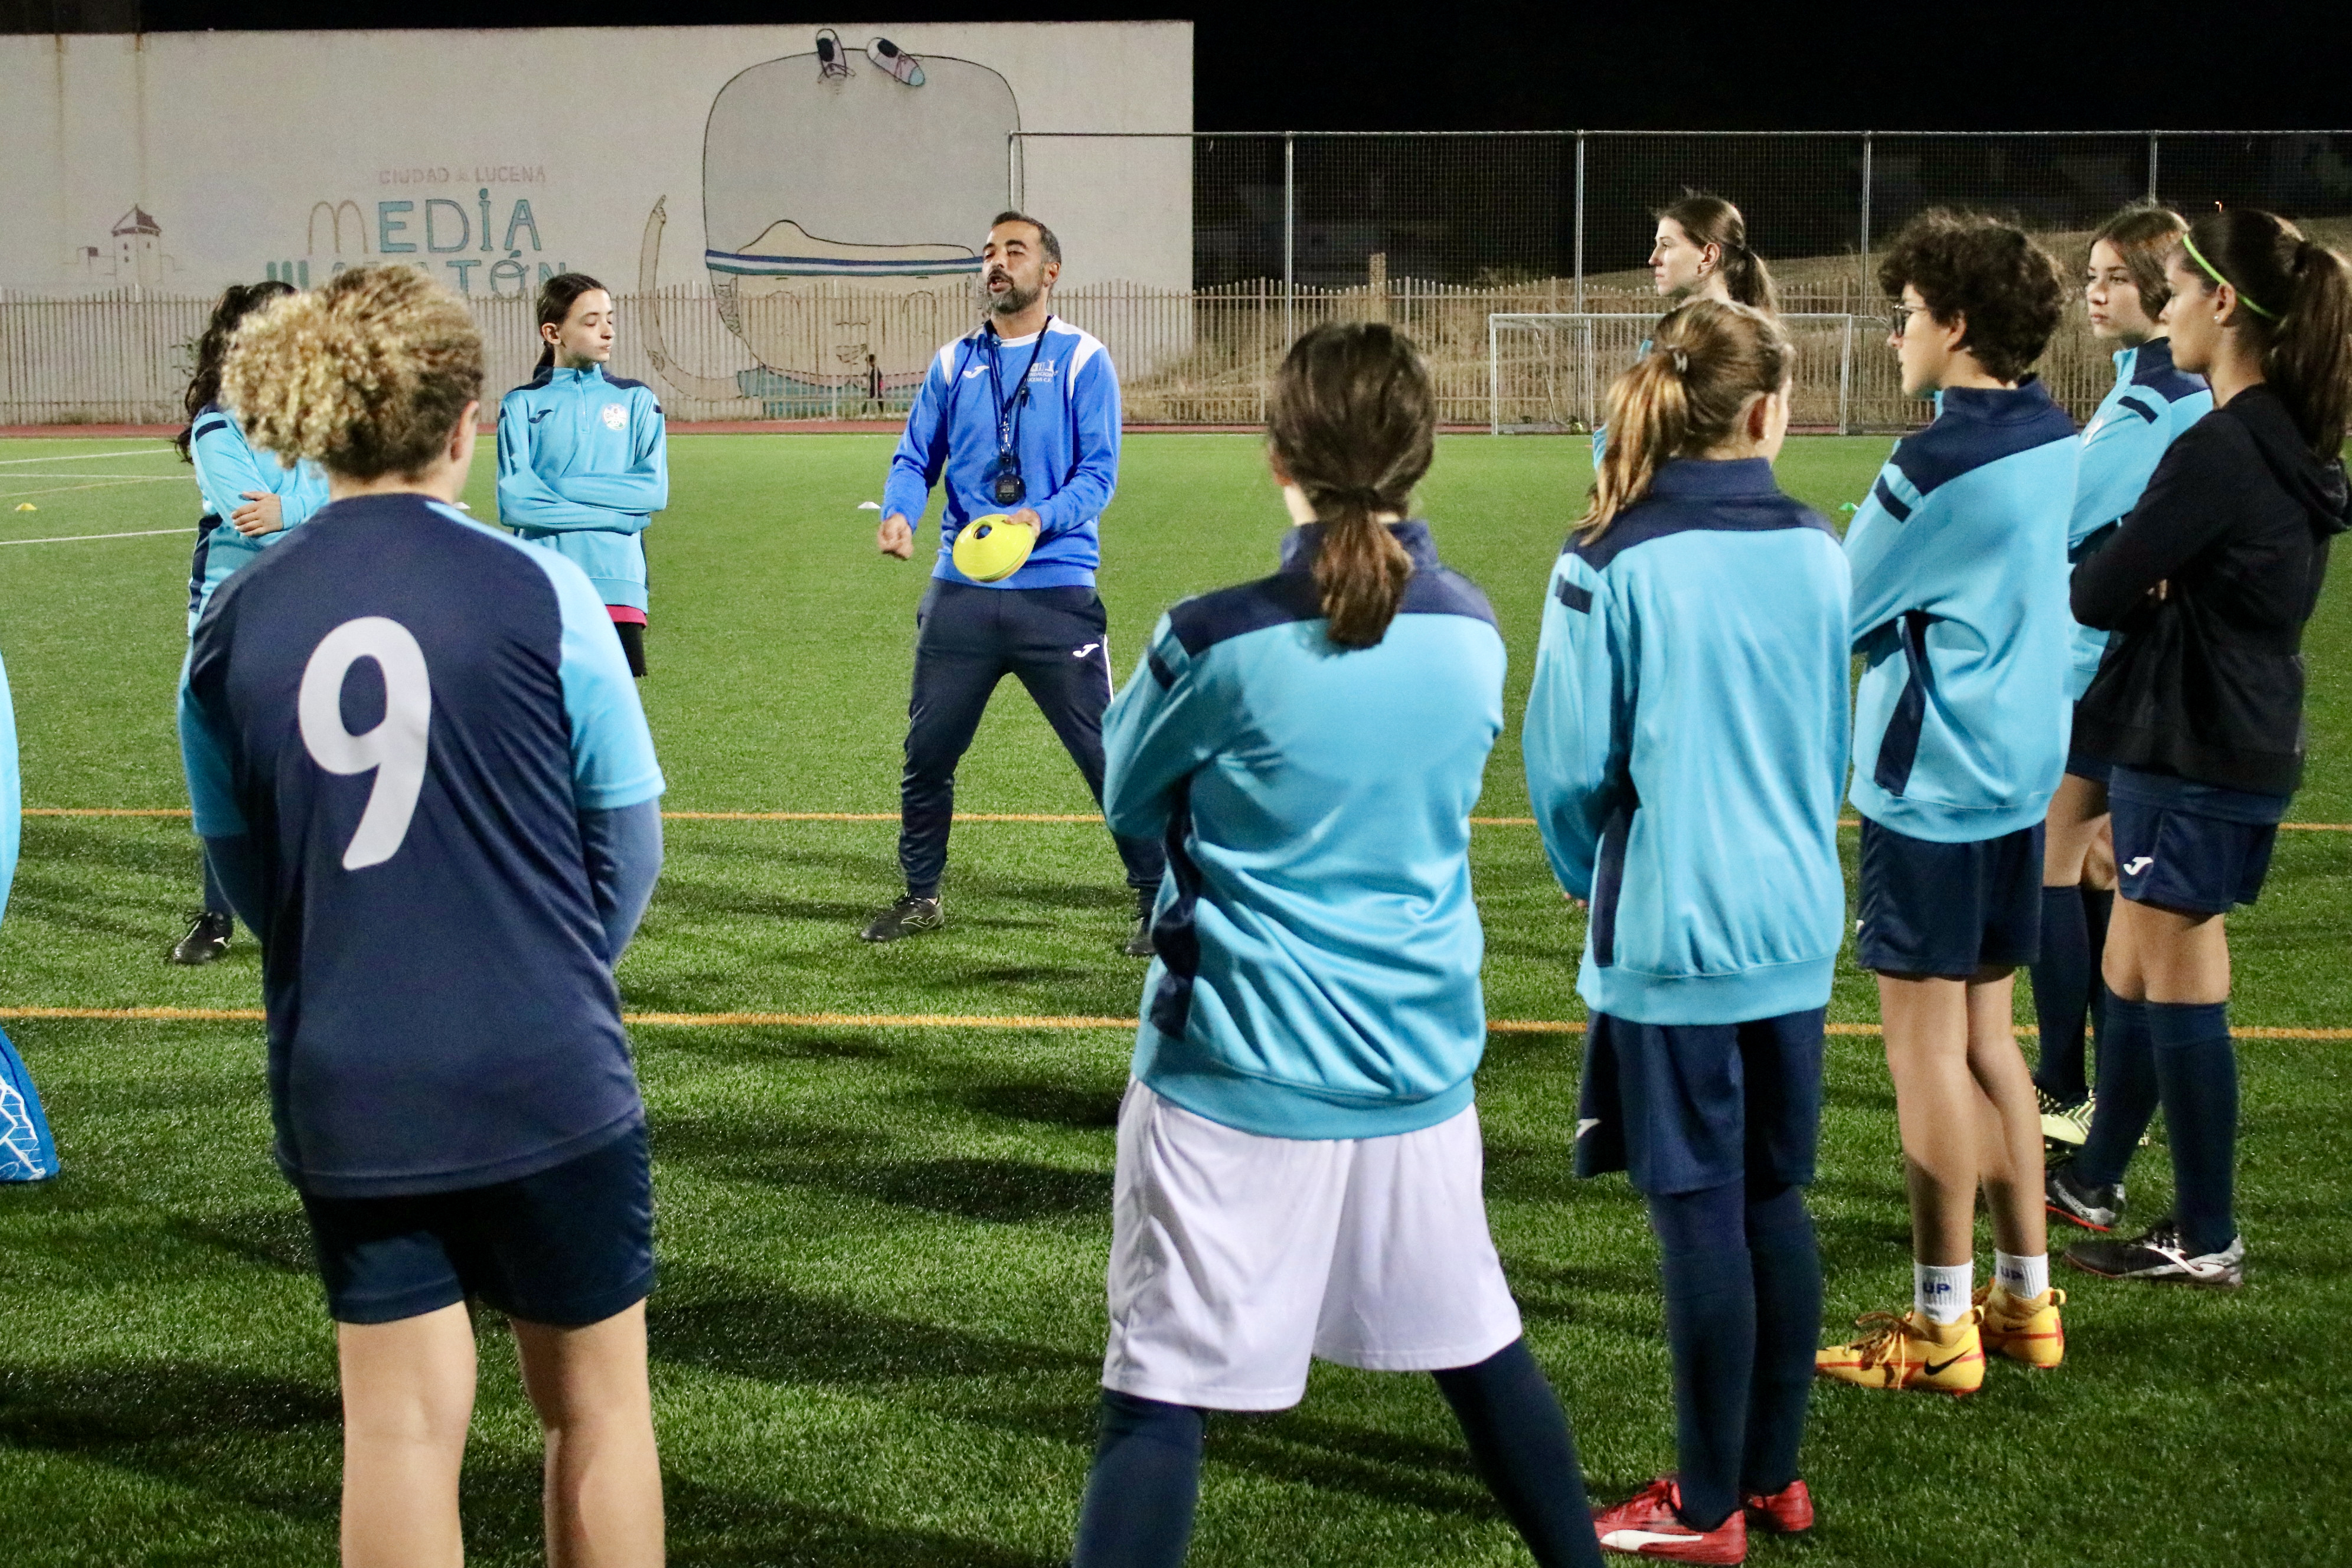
[394, 748]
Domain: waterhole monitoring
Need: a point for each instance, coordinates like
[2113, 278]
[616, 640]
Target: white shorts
[1235, 1259]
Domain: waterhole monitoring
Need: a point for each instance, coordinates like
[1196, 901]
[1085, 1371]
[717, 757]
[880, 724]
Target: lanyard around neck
[1008, 411]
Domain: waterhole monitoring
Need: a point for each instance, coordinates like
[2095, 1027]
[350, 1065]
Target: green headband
[2215, 273]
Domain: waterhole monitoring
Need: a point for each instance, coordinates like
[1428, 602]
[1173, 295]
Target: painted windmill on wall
[837, 187]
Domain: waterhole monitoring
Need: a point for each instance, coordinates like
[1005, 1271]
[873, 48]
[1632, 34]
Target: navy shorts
[2194, 848]
[566, 1247]
[1949, 910]
[1681, 1108]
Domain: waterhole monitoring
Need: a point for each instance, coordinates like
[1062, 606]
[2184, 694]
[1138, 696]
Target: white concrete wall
[245, 146]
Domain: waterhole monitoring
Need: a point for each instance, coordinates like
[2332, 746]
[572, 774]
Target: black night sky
[1955, 65]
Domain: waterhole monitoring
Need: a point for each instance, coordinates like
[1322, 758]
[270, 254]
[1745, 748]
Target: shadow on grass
[1001, 1192]
[721, 1320]
[1053, 1104]
[275, 1238]
[179, 1421]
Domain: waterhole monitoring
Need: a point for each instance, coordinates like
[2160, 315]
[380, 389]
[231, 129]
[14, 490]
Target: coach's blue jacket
[1067, 436]
[228, 465]
[1319, 947]
[2150, 404]
[584, 464]
[1959, 612]
[1686, 743]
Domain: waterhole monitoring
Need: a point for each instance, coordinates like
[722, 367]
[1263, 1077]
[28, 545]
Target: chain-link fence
[1435, 232]
[1438, 230]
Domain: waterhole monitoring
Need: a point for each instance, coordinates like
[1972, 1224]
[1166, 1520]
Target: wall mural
[867, 169]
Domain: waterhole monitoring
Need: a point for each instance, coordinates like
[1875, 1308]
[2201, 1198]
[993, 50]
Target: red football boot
[1646, 1525]
[1789, 1512]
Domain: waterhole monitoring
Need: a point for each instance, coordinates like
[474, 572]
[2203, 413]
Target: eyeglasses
[1898, 316]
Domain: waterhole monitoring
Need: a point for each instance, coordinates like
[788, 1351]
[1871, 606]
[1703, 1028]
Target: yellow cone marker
[992, 548]
[26, 506]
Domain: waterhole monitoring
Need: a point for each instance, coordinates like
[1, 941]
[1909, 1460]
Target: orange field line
[933, 1021]
[893, 817]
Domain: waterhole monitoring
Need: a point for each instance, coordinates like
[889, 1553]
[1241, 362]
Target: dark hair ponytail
[1352, 420]
[1711, 220]
[237, 302]
[2298, 296]
[556, 297]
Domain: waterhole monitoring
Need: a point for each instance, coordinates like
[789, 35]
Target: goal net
[1549, 374]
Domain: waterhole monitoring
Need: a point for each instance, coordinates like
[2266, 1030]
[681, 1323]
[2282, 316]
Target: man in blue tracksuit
[1959, 612]
[1020, 417]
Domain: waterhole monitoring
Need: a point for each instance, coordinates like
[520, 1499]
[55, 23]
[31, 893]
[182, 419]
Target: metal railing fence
[1436, 232]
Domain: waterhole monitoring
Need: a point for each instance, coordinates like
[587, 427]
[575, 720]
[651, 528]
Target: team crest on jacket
[615, 415]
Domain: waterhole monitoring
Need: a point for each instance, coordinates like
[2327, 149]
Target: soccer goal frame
[1548, 373]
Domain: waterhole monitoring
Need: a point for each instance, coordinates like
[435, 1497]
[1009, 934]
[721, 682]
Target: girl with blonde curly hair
[421, 772]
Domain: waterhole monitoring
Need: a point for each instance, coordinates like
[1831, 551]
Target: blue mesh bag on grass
[27, 1152]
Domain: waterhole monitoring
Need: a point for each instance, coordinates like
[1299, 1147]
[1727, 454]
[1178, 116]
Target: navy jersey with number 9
[405, 712]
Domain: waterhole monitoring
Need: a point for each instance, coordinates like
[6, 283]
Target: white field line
[76, 538]
[42, 478]
[157, 451]
[106, 485]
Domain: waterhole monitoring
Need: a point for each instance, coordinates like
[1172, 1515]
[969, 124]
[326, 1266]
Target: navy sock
[2098, 910]
[1145, 1483]
[215, 898]
[2061, 993]
[1519, 1439]
[2127, 1094]
[2197, 1074]
[1786, 1263]
[1710, 1293]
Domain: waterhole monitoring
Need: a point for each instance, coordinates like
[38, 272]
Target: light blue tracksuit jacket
[2150, 404]
[1960, 613]
[584, 464]
[1685, 744]
[1318, 946]
[1067, 436]
[228, 465]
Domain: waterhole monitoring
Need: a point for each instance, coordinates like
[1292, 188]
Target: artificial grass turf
[882, 1309]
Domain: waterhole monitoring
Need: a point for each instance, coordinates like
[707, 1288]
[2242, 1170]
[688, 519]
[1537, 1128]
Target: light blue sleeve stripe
[612, 761]
[210, 788]
[12, 797]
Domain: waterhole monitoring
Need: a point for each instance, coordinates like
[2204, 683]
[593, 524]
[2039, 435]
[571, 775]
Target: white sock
[2023, 1277]
[1940, 1292]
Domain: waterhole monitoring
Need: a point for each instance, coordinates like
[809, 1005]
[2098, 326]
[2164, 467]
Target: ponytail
[1353, 422]
[556, 297]
[1685, 397]
[237, 302]
[2297, 315]
[1711, 220]
[2310, 358]
[1649, 421]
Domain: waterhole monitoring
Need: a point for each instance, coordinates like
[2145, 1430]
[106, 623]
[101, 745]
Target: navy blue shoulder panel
[545, 375]
[623, 382]
[1443, 591]
[1649, 520]
[2138, 405]
[206, 424]
[1952, 447]
[1201, 624]
[1290, 596]
[2153, 368]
